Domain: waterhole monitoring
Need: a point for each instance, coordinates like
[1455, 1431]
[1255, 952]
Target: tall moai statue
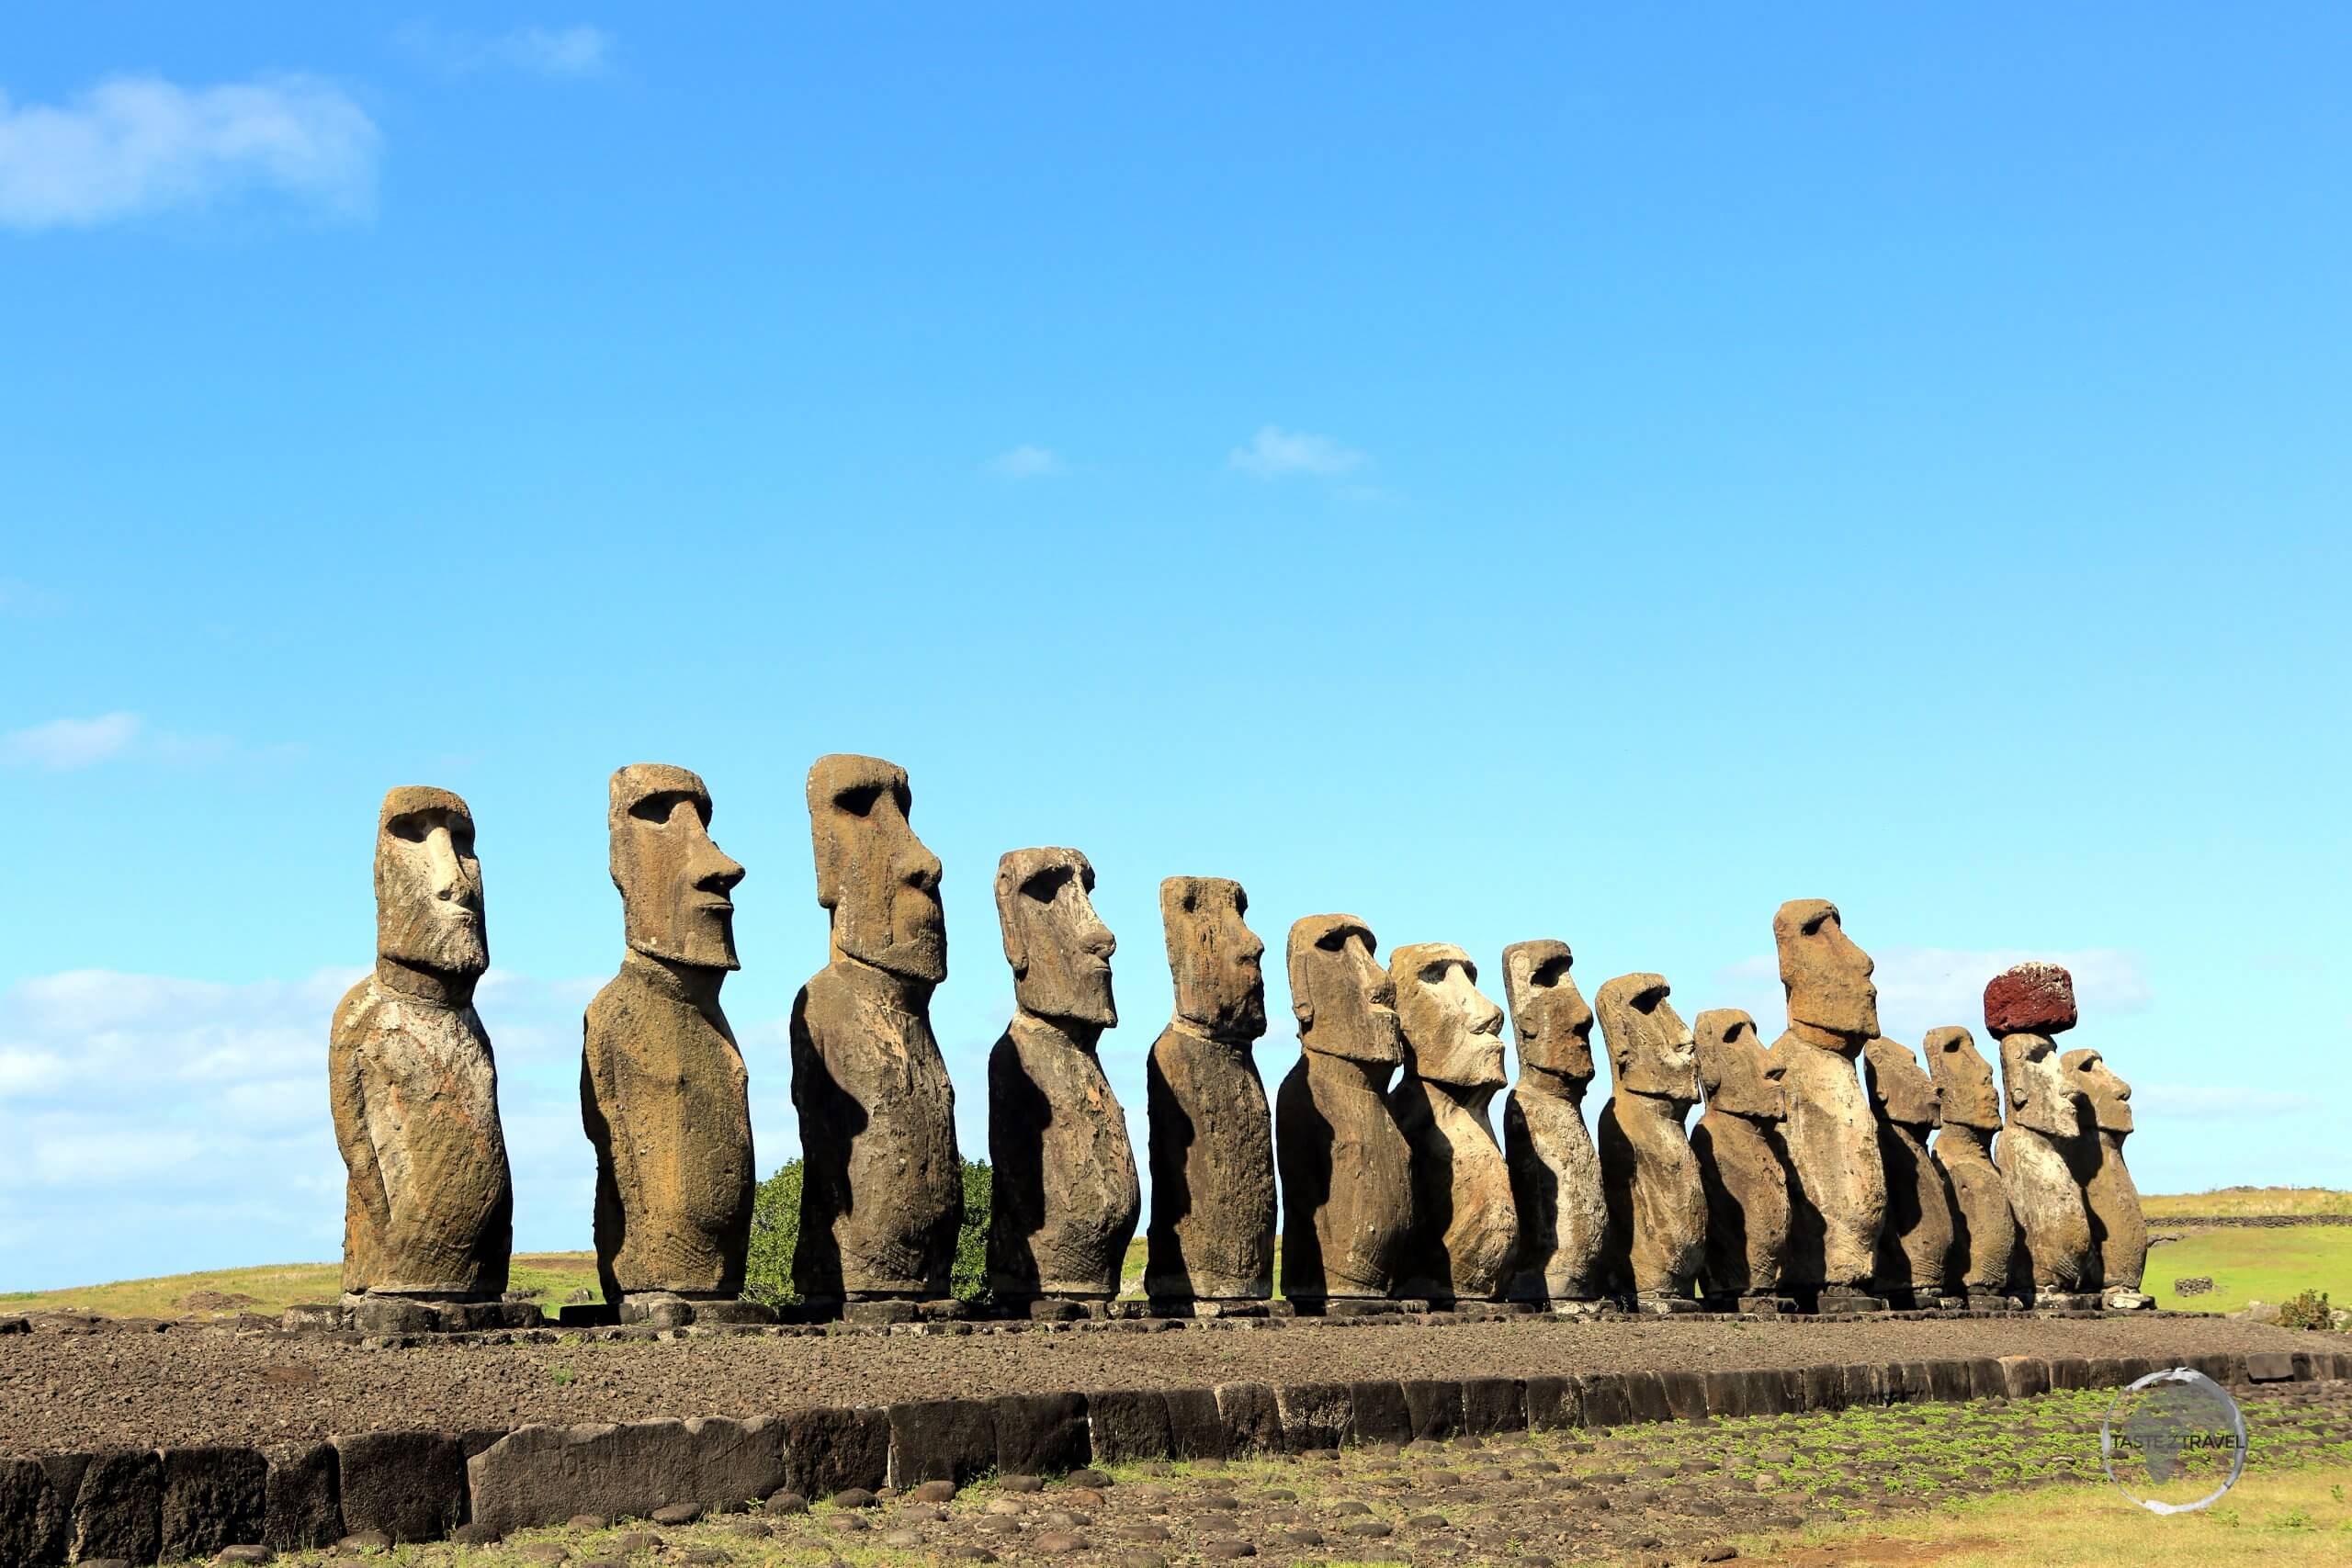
[1346, 1169]
[2118, 1228]
[662, 1089]
[2024, 1007]
[1658, 1209]
[1062, 1191]
[882, 1185]
[1211, 1237]
[429, 1207]
[1555, 1171]
[1465, 1228]
[1985, 1246]
[1736, 1143]
[1915, 1250]
[1839, 1186]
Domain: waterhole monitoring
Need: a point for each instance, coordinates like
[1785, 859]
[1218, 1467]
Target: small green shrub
[970, 1279]
[2306, 1311]
[776, 1231]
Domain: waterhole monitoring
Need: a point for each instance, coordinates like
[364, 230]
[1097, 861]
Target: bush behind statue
[775, 1230]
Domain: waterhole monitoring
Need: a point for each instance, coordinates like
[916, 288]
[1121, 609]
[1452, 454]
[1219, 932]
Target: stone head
[1900, 1089]
[1454, 1034]
[1548, 1014]
[2110, 1098]
[2032, 998]
[1828, 979]
[1964, 1079]
[2034, 1087]
[1341, 996]
[428, 883]
[874, 875]
[1740, 1076]
[1059, 949]
[675, 883]
[1650, 1048]
[1217, 960]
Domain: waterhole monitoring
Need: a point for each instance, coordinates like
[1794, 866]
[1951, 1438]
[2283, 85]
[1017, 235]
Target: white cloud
[133, 145]
[1025, 463]
[1921, 988]
[64, 743]
[1275, 453]
[541, 51]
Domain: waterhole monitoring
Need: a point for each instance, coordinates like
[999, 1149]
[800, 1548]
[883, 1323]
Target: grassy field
[270, 1290]
[2254, 1265]
[2247, 1201]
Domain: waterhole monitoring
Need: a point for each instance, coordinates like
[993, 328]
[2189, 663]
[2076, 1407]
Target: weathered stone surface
[1313, 1415]
[882, 1192]
[1128, 1423]
[1554, 1169]
[1739, 1159]
[663, 1093]
[942, 1440]
[2042, 1112]
[2030, 999]
[212, 1497]
[301, 1498]
[1195, 1429]
[1062, 1189]
[1212, 1233]
[1377, 1413]
[1986, 1239]
[1465, 1227]
[1829, 1141]
[1346, 1168]
[428, 1205]
[827, 1450]
[2119, 1232]
[34, 1517]
[118, 1508]
[410, 1485]
[1657, 1210]
[1435, 1405]
[1252, 1417]
[1915, 1249]
[1042, 1434]
[1493, 1405]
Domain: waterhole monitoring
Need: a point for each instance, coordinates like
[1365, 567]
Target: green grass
[2247, 1201]
[270, 1290]
[2252, 1265]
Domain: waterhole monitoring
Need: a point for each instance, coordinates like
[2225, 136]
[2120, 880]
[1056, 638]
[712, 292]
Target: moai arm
[347, 1100]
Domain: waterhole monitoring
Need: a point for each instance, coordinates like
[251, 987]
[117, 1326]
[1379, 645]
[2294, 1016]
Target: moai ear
[1008, 919]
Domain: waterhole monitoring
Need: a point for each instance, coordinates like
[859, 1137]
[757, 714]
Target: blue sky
[1542, 473]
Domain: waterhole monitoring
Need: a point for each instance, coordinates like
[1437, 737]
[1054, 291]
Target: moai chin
[2117, 1230]
[1838, 1188]
[429, 1206]
[1211, 1237]
[1063, 1192]
[882, 1189]
[662, 1089]
[1555, 1171]
[1986, 1245]
[1346, 1168]
[2024, 1007]
[1915, 1250]
[1740, 1168]
[1465, 1227]
[1658, 1209]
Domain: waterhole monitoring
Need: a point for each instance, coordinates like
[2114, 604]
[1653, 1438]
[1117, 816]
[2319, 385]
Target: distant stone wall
[2253, 1221]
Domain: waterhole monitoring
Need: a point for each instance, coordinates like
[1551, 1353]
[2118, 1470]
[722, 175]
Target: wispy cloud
[1920, 988]
[573, 52]
[66, 743]
[1275, 453]
[138, 144]
[1026, 463]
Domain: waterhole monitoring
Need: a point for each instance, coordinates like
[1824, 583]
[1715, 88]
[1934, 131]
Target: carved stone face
[2029, 999]
[2110, 1097]
[1454, 1034]
[428, 883]
[1741, 1078]
[1651, 1050]
[1899, 1088]
[875, 876]
[2034, 1084]
[1341, 996]
[1548, 1014]
[1964, 1079]
[1059, 949]
[675, 883]
[1217, 960]
[1827, 977]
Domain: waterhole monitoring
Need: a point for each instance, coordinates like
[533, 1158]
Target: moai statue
[1915, 1250]
[1555, 1172]
[1211, 1237]
[429, 1208]
[1063, 1194]
[2118, 1228]
[882, 1185]
[1985, 1243]
[1465, 1227]
[1838, 1185]
[1657, 1210]
[1738, 1151]
[2023, 1008]
[662, 1089]
[1346, 1169]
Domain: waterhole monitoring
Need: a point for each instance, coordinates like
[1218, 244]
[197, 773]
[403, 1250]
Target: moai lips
[1740, 1168]
[1465, 1227]
[1914, 1264]
[1555, 1170]
[1830, 1140]
[1658, 1209]
[1986, 1240]
[2119, 1232]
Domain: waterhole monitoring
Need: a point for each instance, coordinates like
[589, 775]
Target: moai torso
[1915, 1251]
[1346, 1168]
[1830, 1140]
[2119, 1231]
[1739, 1159]
[1212, 1234]
[429, 1204]
[2023, 1008]
[1063, 1193]
[1555, 1170]
[1658, 1209]
[1465, 1226]
[1986, 1238]
[882, 1186]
